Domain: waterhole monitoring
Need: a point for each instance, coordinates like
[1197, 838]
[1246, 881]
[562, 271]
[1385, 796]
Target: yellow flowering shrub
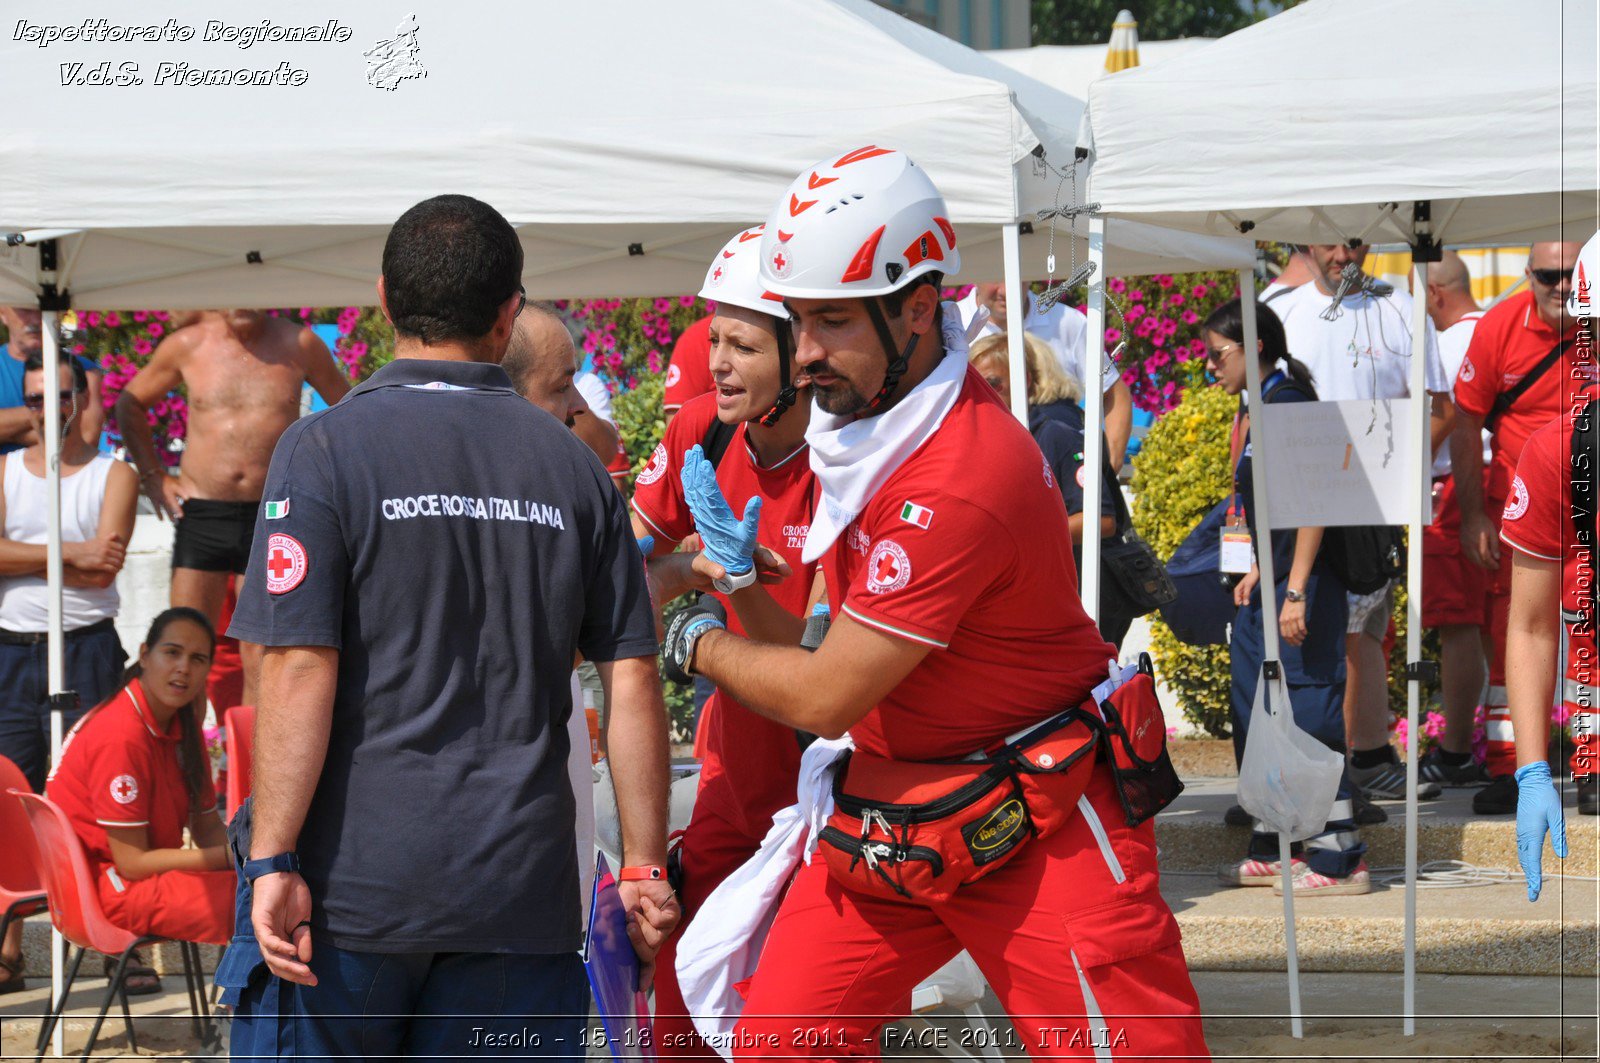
[1181, 472]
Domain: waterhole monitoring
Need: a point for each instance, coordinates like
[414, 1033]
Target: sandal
[138, 978]
[14, 982]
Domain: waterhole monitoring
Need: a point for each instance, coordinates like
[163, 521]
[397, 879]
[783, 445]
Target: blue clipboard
[613, 970]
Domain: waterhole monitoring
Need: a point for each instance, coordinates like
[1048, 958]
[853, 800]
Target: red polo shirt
[1510, 340]
[965, 548]
[755, 758]
[117, 770]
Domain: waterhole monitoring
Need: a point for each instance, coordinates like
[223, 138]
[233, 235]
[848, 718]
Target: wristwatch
[267, 865]
[735, 581]
[685, 630]
[1294, 595]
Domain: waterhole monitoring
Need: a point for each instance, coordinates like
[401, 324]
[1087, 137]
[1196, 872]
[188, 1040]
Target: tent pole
[1424, 250]
[1094, 418]
[1016, 295]
[55, 647]
[1271, 669]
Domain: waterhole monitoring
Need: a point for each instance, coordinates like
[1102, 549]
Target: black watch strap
[267, 865]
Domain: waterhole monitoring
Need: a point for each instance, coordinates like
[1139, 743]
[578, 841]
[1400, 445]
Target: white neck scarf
[852, 458]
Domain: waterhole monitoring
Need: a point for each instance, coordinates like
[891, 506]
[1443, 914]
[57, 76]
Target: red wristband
[643, 873]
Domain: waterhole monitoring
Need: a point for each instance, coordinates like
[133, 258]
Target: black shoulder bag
[1134, 582]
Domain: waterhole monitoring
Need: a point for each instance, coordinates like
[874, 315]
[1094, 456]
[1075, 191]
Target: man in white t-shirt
[1064, 330]
[1360, 348]
[1454, 590]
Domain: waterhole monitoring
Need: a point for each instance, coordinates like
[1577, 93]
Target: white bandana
[852, 458]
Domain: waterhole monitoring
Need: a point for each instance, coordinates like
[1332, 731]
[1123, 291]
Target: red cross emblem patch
[781, 266]
[286, 563]
[888, 569]
[124, 789]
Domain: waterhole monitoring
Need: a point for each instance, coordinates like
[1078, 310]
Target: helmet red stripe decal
[949, 232]
[796, 206]
[924, 248]
[816, 181]
[871, 151]
[860, 267]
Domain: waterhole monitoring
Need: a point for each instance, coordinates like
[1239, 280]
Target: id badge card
[1237, 555]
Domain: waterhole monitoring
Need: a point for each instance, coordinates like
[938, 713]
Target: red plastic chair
[238, 740]
[75, 910]
[21, 885]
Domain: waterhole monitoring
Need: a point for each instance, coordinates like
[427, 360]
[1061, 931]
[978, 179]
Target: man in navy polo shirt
[431, 555]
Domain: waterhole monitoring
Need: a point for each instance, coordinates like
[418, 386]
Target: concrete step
[1488, 928]
[1193, 837]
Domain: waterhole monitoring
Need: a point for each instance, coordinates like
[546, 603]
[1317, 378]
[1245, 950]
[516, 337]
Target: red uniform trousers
[712, 850]
[1072, 934]
[177, 905]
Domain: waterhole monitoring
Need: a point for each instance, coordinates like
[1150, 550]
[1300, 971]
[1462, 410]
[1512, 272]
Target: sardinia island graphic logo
[394, 60]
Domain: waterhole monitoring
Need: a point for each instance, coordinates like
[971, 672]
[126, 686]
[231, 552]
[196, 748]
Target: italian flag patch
[912, 513]
[276, 510]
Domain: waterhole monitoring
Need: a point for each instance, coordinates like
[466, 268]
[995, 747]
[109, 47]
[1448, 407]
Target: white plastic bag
[1287, 779]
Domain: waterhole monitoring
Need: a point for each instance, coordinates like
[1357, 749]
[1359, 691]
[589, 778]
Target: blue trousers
[373, 1005]
[1314, 674]
[93, 669]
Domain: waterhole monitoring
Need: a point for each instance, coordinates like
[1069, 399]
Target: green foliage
[1182, 472]
[641, 420]
[1089, 21]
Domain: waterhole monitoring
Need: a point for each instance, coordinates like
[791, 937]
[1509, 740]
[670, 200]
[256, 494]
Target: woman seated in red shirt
[133, 774]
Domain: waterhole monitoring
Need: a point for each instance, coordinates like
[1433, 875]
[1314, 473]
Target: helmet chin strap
[897, 363]
[786, 391]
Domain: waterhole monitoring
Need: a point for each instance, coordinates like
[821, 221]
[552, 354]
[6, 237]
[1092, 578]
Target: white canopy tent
[625, 141]
[1486, 133]
[1072, 68]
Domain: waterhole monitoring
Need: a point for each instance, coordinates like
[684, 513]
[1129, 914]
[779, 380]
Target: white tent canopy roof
[625, 140]
[1072, 68]
[1308, 124]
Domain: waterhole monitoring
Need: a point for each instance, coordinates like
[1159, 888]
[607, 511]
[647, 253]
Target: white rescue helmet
[1585, 299]
[866, 223]
[734, 277]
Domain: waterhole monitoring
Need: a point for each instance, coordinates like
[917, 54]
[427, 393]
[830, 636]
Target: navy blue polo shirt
[458, 546]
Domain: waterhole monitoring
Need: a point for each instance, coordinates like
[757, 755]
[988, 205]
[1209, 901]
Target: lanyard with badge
[1237, 555]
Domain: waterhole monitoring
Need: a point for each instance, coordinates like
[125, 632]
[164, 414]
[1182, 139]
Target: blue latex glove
[646, 544]
[729, 541]
[1538, 812]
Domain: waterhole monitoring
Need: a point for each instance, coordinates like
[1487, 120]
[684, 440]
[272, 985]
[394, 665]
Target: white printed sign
[1333, 464]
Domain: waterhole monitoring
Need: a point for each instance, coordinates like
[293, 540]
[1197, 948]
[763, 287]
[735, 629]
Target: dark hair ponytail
[1228, 320]
[191, 750]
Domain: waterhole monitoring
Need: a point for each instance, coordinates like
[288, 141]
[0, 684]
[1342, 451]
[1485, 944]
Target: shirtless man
[243, 371]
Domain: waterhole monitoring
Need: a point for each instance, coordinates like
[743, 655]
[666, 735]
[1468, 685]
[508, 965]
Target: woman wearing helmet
[945, 546]
[752, 425]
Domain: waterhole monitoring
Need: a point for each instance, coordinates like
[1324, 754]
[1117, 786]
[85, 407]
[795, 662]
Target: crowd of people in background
[1501, 385]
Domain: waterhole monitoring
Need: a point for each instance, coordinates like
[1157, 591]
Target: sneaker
[1236, 816]
[1588, 796]
[1435, 769]
[1252, 871]
[1387, 782]
[1310, 883]
[1499, 798]
[1364, 812]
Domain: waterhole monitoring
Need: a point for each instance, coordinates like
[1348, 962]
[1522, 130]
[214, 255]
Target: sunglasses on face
[1551, 277]
[36, 402]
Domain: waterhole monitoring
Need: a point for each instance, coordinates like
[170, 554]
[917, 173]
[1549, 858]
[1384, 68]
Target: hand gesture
[729, 541]
[163, 493]
[653, 914]
[100, 554]
[1479, 540]
[280, 913]
[1292, 623]
[1538, 814]
[1246, 586]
